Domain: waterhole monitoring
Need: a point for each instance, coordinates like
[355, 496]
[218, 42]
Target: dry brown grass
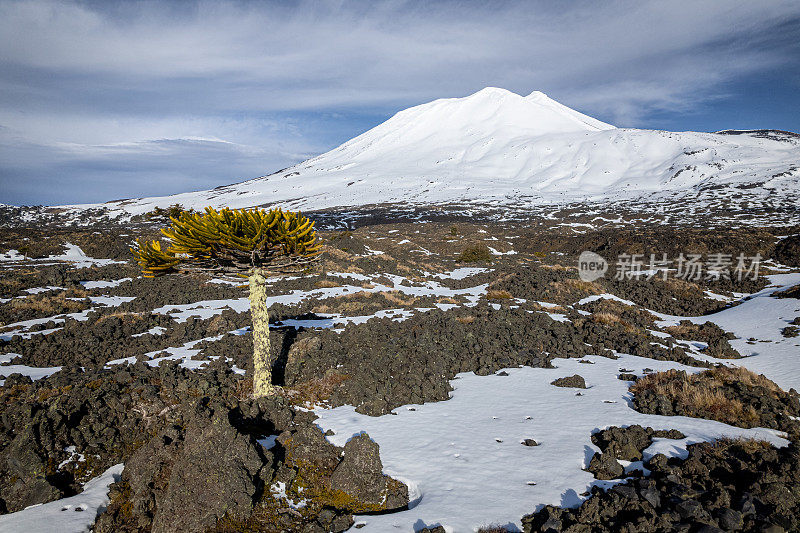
[466, 319]
[9, 287]
[606, 318]
[383, 257]
[348, 308]
[682, 288]
[730, 375]
[584, 286]
[549, 308]
[317, 390]
[396, 298]
[682, 330]
[122, 315]
[47, 305]
[556, 267]
[621, 309]
[750, 446]
[365, 301]
[355, 295]
[502, 279]
[701, 393]
[326, 284]
[569, 288]
[336, 253]
[495, 294]
[244, 389]
[609, 319]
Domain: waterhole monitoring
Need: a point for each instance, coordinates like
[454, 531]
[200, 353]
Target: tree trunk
[262, 359]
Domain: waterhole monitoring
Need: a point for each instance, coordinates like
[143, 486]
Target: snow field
[464, 456]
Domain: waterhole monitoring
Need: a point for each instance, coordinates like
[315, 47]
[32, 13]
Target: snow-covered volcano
[498, 148]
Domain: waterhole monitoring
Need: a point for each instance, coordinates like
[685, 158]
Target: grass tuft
[475, 253]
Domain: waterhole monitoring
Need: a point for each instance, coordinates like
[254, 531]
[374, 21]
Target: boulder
[28, 484]
[216, 474]
[575, 381]
[185, 480]
[623, 443]
[604, 466]
[360, 475]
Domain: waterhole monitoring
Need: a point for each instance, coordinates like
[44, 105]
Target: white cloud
[258, 56]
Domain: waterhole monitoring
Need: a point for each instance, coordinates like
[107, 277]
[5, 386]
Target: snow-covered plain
[499, 148]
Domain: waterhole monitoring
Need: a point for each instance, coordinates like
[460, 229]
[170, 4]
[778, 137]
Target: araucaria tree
[252, 243]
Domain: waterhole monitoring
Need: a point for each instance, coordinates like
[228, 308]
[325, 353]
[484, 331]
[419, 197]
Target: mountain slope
[499, 148]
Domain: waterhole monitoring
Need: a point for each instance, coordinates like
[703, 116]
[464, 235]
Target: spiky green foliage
[232, 241]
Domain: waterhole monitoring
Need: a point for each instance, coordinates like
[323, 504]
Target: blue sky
[107, 100]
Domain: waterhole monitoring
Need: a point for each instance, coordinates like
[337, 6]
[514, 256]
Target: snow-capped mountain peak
[490, 111]
[499, 148]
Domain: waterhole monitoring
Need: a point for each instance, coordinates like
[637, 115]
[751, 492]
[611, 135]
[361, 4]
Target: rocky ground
[101, 367]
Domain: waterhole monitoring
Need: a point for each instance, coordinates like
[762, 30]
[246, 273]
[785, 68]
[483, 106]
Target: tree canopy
[232, 241]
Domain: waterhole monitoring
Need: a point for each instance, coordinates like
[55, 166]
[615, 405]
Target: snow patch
[75, 514]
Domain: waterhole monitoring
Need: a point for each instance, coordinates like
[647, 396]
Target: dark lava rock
[360, 474]
[787, 251]
[209, 473]
[187, 479]
[623, 443]
[384, 364]
[731, 485]
[667, 434]
[692, 510]
[604, 466]
[216, 473]
[105, 414]
[791, 292]
[790, 331]
[730, 520]
[575, 381]
[110, 334]
[716, 338]
[627, 377]
[628, 443]
[529, 442]
[27, 476]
